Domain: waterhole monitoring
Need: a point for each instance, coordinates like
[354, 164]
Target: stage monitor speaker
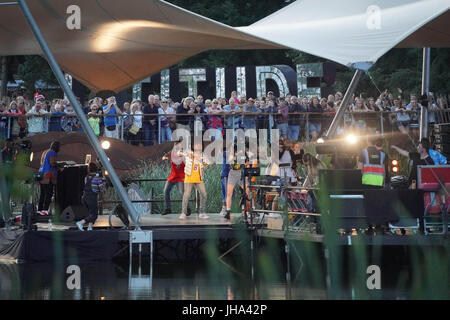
[335, 180]
[74, 213]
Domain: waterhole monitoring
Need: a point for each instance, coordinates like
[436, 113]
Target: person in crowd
[249, 120]
[294, 120]
[135, 131]
[234, 97]
[200, 120]
[22, 119]
[331, 99]
[110, 112]
[403, 118]
[3, 120]
[94, 118]
[35, 120]
[315, 122]
[184, 110]
[55, 123]
[69, 122]
[232, 115]
[261, 118]
[14, 112]
[49, 171]
[214, 120]
[127, 121]
[413, 109]
[270, 122]
[194, 178]
[150, 124]
[176, 177]
[329, 113]
[166, 115]
[93, 185]
[282, 119]
[359, 111]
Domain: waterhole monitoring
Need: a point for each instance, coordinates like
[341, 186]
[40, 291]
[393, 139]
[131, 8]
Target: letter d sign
[374, 280]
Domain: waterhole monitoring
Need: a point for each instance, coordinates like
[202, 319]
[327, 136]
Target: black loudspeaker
[340, 180]
[74, 213]
[70, 186]
[349, 210]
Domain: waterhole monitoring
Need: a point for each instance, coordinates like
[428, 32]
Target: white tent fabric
[124, 41]
[121, 41]
[356, 33]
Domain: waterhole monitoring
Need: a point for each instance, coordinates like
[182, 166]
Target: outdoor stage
[173, 239]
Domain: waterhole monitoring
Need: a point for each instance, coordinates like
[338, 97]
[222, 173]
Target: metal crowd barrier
[383, 118]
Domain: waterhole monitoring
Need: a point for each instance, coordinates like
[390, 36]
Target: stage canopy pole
[81, 116]
[347, 96]
[425, 90]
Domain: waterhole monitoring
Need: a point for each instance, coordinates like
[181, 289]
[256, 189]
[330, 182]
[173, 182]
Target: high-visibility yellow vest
[373, 174]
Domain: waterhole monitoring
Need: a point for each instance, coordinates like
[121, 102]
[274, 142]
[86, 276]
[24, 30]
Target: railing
[382, 121]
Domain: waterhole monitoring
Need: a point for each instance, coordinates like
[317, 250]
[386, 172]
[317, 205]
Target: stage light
[106, 173]
[31, 156]
[395, 162]
[395, 169]
[351, 139]
[320, 140]
[106, 144]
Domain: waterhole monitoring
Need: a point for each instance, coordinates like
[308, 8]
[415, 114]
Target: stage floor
[153, 221]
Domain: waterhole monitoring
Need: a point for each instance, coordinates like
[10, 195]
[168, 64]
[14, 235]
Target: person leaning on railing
[55, 119]
[166, 116]
[183, 120]
[13, 112]
[315, 120]
[36, 120]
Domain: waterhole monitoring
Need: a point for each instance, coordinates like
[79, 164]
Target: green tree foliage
[33, 69]
[235, 13]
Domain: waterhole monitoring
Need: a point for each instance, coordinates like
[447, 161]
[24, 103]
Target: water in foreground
[187, 281]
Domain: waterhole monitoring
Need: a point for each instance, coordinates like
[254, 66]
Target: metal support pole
[340, 112]
[425, 90]
[159, 130]
[307, 128]
[81, 116]
[121, 127]
[8, 135]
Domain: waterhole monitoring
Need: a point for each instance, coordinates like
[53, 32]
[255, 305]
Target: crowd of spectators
[296, 118]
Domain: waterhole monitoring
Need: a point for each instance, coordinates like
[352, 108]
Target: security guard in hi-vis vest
[374, 165]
